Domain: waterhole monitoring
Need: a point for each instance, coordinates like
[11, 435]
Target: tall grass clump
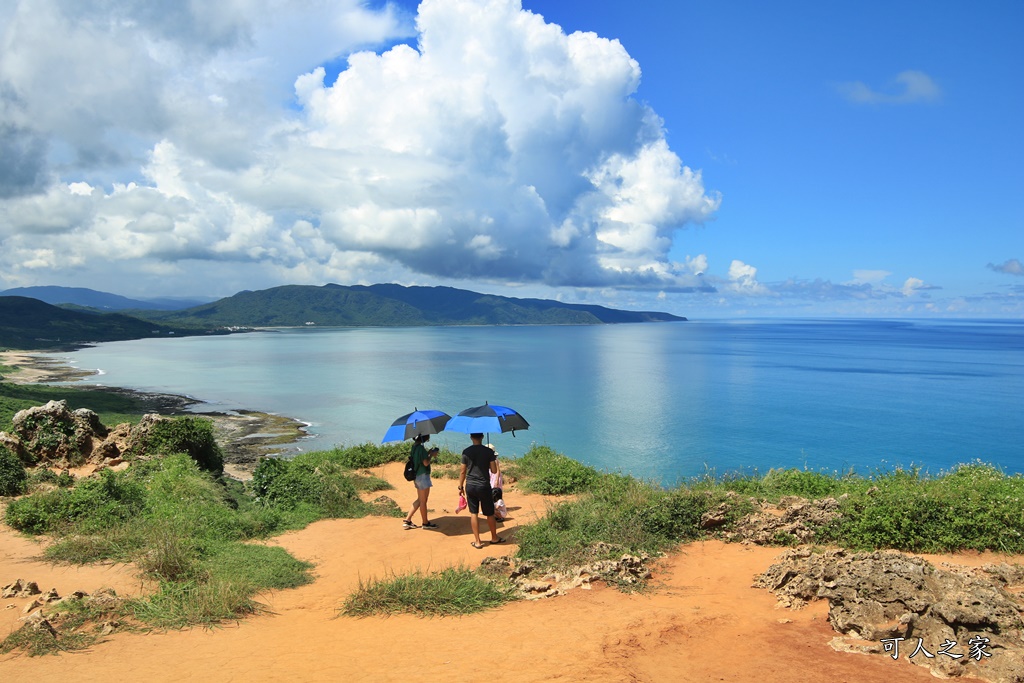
[453, 591]
[190, 603]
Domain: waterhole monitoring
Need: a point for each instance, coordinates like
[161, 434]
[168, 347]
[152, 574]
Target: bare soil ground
[701, 619]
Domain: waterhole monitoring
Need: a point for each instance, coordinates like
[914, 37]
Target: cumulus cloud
[908, 87]
[1010, 267]
[743, 279]
[497, 148]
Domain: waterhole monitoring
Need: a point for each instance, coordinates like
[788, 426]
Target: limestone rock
[39, 623]
[33, 605]
[384, 506]
[887, 594]
[20, 589]
[798, 522]
[52, 434]
[13, 444]
[628, 570]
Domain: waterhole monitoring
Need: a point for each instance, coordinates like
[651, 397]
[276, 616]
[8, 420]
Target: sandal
[475, 545]
[500, 540]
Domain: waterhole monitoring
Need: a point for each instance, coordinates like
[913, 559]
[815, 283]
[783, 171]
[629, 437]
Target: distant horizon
[792, 316]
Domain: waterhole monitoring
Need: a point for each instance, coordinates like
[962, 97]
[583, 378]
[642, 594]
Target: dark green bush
[318, 479]
[192, 435]
[367, 455]
[784, 482]
[12, 473]
[975, 506]
[550, 473]
[94, 504]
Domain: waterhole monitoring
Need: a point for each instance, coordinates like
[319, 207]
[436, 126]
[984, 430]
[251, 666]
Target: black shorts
[480, 500]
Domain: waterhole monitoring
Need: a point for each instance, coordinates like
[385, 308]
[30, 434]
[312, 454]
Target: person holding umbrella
[478, 462]
[418, 426]
[422, 458]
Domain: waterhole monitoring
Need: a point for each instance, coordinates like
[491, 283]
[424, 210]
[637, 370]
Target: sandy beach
[701, 619]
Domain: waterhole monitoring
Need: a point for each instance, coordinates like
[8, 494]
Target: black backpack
[410, 469]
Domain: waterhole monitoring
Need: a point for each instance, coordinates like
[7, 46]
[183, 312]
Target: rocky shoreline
[244, 435]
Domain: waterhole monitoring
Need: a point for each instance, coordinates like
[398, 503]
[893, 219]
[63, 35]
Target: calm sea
[659, 401]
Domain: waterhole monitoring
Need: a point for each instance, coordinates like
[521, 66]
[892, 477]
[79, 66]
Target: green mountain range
[27, 323]
[104, 301]
[31, 324]
[390, 305]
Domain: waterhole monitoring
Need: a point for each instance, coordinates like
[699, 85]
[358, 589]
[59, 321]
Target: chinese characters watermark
[977, 648]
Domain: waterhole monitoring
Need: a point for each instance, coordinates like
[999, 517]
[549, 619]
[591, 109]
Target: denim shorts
[423, 481]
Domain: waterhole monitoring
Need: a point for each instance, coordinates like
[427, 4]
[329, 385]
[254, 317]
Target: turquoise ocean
[659, 401]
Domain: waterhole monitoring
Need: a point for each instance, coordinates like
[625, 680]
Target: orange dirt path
[701, 621]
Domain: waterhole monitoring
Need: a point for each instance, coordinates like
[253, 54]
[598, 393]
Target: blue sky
[728, 159]
[816, 184]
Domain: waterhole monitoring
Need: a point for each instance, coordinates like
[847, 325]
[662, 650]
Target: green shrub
[368, 455]
[320, 479]
[13, 476]
[191, 435]
[784, 482]
[92, 505]
[44, 475]
[550, 473]
[975, 506]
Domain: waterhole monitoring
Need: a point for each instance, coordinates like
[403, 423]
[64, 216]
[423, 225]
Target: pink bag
[462, 504]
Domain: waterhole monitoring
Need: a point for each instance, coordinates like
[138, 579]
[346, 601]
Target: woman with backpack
[421, 459]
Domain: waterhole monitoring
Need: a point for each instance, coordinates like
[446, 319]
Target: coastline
[244, 435]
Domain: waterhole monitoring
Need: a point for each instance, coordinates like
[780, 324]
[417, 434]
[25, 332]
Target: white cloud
[1010, 267]
[912, 285]
[743, 279]
[499, 148]
[908, 87]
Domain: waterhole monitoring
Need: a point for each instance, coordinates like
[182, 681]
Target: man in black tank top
[475, 481]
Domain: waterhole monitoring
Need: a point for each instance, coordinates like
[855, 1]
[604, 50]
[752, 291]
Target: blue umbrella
[487, 418]
[416, 423]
